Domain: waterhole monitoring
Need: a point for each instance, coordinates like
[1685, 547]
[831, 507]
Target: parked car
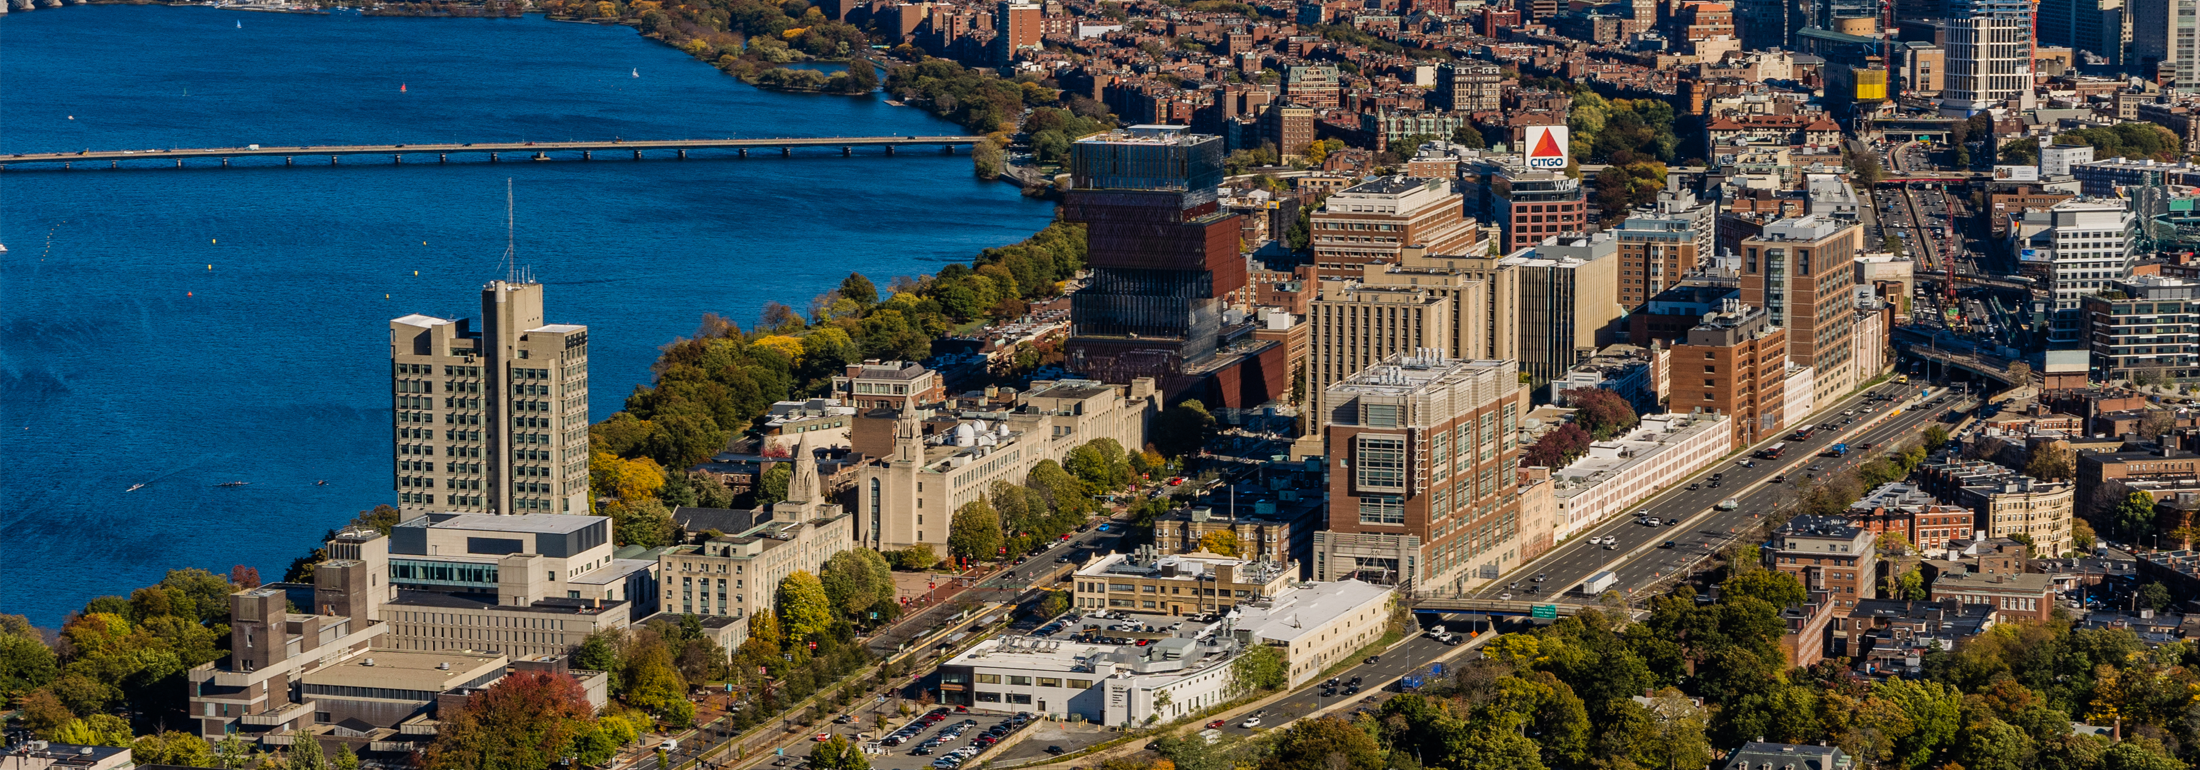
[1250, 723]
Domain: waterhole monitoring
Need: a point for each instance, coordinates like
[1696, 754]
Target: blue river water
[184, 328]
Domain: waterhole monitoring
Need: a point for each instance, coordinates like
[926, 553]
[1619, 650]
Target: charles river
[185, 328]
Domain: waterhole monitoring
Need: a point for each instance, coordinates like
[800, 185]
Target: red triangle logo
[1546, 148]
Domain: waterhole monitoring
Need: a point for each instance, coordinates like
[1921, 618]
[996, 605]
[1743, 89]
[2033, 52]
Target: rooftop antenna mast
[511, 263]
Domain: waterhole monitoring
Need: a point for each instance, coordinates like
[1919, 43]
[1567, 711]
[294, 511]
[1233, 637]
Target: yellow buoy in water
[216, 240]
[209, 268]
[416, 272]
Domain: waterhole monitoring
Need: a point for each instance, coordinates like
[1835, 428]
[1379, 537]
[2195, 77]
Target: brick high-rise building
[1164, 256]
[1802, 271]
[1534, 205]
[1734, 363]
[491, 421]
[1423, 489]
[1377, 220]
[1290, 127]
[1016, 27]
[1653, 255]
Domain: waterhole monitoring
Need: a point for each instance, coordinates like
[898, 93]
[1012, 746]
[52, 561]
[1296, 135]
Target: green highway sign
[1544, 611]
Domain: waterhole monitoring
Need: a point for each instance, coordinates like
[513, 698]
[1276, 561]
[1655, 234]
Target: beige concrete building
[1182, 584]
[734, 575]
[1802, 271]
[251, 692]
[1423, 491]
[1569, 303]
[1466, 306]
[523, 585]
[941, 461]
[1355, 325]
[1376, 220]
[495, 420]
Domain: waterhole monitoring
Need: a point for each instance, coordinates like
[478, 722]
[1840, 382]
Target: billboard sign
[2016, 173]
[1547, 147]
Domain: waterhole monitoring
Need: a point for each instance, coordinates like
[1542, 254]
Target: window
[1080, 684]
[989, 697]
[1382, 463]
[1048, 682]
[989, 679]
[1379, 415]
[1147, 605]
[1024, 681]
[1382, 509]
[1019, 699]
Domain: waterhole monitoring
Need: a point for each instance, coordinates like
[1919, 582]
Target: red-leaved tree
[1601, 412]
[244, 577]
[1557, 448]
[527, 721]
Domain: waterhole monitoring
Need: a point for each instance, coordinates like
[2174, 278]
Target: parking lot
[946, 739]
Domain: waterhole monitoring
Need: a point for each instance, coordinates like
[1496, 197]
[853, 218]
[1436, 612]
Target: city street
[1641, 564]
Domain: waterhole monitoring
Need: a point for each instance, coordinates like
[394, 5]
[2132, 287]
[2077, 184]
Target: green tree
[1324, 743]
[838, 753]
[986, 160]
[1260, 668]
[94, 730]
[975, 533]
[855, 579]
[172, 748]
[772, 488]
[805, 613]
[1182, 429]
[2134, 517]
[26, 664]
[858, 288]
[2051, 461]
[654, 684]
[306, 755]
[1778, 589]
[916, 557]
[345, 758]
[645, 523]
[600, 652]
[2154, 596]
[599, 743]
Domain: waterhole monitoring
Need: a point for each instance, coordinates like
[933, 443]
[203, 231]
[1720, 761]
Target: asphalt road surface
[1640, 563]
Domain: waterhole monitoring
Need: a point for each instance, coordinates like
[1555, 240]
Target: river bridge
[497, 151]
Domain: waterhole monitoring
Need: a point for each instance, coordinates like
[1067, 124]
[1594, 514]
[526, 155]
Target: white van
[670, 745]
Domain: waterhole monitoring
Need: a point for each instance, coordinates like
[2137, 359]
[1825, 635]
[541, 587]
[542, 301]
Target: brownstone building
[1734, 363]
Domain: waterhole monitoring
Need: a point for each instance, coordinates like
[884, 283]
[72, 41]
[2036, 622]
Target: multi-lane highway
[1639, 559]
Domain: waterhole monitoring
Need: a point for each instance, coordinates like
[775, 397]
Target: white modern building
[1663, 450]
[1185, 670]
[2085, 243]
[1989, 55]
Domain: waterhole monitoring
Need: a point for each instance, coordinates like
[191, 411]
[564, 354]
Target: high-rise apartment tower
[494, 420]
